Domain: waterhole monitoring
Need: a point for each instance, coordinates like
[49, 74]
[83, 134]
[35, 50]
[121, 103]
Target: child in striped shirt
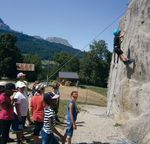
[49, 120]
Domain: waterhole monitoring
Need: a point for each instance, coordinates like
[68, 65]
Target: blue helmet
[116, 32]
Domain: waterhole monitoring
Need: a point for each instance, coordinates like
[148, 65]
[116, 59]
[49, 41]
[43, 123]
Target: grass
[97, 89]
[62, 109]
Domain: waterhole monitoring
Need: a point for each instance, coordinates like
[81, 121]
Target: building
[71, 77]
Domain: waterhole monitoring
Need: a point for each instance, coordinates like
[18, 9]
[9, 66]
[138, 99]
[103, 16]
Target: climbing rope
[107, 27]
[108, 113]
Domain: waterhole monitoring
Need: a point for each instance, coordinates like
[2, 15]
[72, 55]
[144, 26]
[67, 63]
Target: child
[49, 120]
[117, 46]
[71, 116]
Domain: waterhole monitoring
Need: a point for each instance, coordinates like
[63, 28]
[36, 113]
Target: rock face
[59, 40]
[129, 86]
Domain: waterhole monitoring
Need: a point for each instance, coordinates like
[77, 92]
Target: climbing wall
[129, 86]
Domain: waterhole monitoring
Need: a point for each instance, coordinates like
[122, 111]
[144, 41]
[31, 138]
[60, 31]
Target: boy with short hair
[71, 116]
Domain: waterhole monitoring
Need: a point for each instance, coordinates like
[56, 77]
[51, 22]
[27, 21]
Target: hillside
[31, 45]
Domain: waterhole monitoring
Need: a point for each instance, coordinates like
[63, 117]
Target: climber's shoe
[129, 61]
[125, 62]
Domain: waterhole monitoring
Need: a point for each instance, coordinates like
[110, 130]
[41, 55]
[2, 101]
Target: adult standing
[37, 109]
[20, 110]
[21, 78]
[6, 111]
[2, 88]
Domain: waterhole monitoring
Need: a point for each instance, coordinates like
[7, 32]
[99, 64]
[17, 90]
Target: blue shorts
[15, 123]
[48, 138]
[69, 130]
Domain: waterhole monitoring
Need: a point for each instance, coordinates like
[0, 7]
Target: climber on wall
[118, 38]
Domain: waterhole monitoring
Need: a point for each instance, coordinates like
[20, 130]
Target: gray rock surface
[129, 86]
[59, 40]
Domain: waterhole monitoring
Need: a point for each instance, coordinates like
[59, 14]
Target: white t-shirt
[22, 99]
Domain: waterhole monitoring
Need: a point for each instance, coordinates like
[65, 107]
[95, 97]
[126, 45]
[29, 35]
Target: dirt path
[95, 127]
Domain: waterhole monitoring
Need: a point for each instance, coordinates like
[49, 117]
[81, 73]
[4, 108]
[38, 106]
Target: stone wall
[129, 86]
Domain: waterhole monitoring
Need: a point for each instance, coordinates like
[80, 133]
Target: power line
[88, 43]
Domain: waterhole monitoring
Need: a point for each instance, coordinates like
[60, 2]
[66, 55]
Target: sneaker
[129, 61]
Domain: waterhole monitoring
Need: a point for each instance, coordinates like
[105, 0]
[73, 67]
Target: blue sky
[78, 21]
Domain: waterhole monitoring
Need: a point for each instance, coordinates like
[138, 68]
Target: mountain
[3, 26]
[59, 40]
[36, 45]
[37, 37]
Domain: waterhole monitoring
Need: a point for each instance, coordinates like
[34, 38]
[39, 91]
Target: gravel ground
[94, 127]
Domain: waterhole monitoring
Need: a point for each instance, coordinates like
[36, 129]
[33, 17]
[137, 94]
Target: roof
[69, 75]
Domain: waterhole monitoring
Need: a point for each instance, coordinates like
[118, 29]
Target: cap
[55, 85]
[20, 84]
[40, 86]
[3, 83]
[10, 86]
[37, 82]
[50, 96]
[20, 75]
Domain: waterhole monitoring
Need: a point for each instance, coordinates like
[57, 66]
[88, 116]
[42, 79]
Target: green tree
[9, 55]
[94, 67]
[69, 62]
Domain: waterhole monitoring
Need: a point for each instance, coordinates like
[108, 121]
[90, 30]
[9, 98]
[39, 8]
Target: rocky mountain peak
[3, 26]
[1, 21]
[59, 40]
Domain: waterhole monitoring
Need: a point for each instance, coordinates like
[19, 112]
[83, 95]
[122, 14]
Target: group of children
[15, 106]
